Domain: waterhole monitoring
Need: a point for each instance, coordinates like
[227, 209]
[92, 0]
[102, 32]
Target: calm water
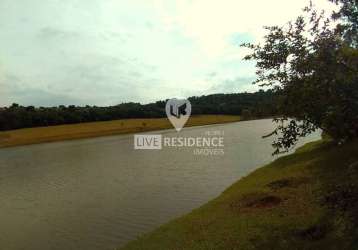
[100, 193]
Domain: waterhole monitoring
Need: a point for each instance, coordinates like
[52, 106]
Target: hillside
[249, 105]
[308, 200]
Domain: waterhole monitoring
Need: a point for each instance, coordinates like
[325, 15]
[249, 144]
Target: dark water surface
[100, 193]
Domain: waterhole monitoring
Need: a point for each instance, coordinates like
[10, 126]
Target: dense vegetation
[312, 65]
[260, 104]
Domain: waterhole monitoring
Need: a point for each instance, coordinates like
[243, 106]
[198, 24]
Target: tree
[16, 116]
[348, 13]
[312, 66]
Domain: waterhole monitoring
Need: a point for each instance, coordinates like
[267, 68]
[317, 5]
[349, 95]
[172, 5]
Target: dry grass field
[94, 129]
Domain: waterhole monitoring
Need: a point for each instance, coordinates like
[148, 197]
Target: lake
[100, 193]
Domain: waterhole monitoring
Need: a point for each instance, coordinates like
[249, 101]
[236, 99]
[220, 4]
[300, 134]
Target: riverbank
[95, 129]
[307, 200]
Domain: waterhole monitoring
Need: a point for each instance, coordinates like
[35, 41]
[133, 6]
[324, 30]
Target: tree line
[249, 105]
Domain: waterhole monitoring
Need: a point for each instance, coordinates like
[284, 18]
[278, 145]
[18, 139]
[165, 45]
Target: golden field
[94, 129]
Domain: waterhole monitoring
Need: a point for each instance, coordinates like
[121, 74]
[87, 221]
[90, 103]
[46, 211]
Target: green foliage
[260, 104]
[312, 65]
[348, 13]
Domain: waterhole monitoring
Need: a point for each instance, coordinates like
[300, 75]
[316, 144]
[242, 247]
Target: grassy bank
[94, 129]
[308, 200]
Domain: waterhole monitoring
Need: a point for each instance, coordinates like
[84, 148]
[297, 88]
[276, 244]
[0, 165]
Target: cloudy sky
[104, 52]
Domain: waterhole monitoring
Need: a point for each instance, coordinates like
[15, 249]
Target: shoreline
[283, 205]
[37, 135]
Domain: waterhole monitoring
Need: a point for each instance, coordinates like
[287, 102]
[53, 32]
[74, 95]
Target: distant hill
[248, 105]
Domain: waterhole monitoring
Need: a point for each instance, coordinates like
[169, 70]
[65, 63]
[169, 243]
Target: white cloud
[211, 23]
[107, 52]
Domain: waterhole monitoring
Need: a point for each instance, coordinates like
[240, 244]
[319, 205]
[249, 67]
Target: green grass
[308, 200]
[94, 129]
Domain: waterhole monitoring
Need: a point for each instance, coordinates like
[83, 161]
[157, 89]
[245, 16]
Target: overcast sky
[104, 52]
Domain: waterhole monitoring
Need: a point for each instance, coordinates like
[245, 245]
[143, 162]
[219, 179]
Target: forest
[247, 105]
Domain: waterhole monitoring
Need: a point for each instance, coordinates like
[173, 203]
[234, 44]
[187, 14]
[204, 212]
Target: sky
[105, 52]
